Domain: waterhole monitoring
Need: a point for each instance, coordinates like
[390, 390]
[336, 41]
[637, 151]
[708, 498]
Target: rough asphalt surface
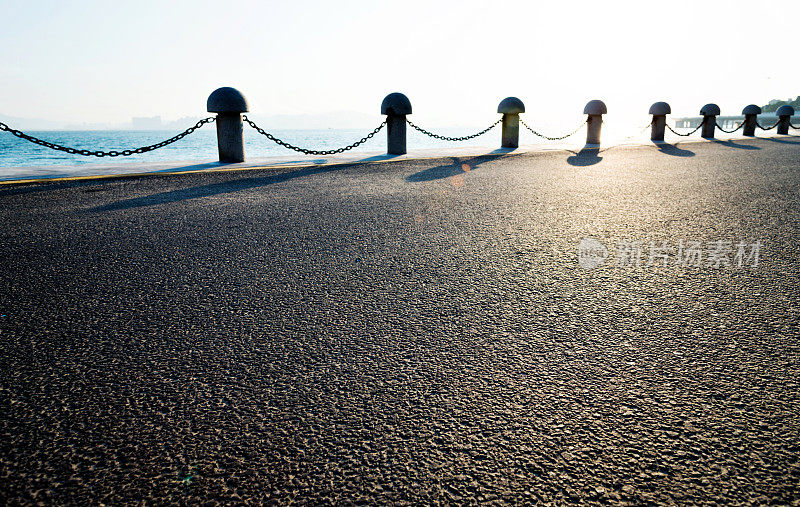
[412, 332]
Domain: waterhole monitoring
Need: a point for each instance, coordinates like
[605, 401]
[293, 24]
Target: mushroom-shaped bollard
[229, 104]
[595, 109]
[659, 110]
[785, 114]
[710, 113]
[750, 119]
[510, 107]
[396, 106]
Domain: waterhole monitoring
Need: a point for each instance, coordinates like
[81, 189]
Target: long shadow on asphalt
[7, 192]
[587, 156]
[248, 183]
[781, 141]
[665, 148]
[47, 187]
[457, 165]
[225, 187]
[192, 167]
[671, 149]
[731, 144]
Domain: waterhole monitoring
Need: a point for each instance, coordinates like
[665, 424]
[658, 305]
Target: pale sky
[103, 61]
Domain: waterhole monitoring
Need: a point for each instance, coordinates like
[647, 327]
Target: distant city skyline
[92, 62]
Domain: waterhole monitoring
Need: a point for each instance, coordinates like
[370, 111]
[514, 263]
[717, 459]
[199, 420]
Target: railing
[691, 122]
[230, 105]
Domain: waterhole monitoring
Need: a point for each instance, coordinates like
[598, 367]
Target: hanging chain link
[767, 128]
[313, 152]
[112, 153]
[552, 138]
[445, 138]
[690, 133]
[796, 127]
[729, 131]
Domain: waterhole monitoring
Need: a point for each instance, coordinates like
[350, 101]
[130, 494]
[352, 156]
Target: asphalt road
[411, 332]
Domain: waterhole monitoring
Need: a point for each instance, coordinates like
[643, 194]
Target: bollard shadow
[456, 166]
[378, 158]
[212, 189]
[192, 167]
[30, 189]
[589, 155]
[228, 187]
[781, 141]
[672, 149]
[730, 144]
[45, 186]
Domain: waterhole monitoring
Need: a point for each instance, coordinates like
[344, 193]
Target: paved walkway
[416, 331]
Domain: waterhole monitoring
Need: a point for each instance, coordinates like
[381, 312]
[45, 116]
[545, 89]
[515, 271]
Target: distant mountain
[329, 120]
[31, 123]
[775, 104]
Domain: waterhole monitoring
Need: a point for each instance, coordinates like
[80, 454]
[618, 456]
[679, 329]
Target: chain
[796, 127]
[312, 152]
[729, 131]
[113, 153]
[690, 133]
[199, 124]
[552, 138]
[767, 128]
[445, 138]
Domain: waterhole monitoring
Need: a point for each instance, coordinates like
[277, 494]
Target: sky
[100, 61]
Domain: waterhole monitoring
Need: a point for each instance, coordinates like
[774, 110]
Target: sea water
[202, 144]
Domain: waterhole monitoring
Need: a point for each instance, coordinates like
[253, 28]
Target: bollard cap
[595, 107]
[786, 110]
[660, 109]
[751, 109]
[396, 103]
[710, 110]
[227, 100]
[511, 105]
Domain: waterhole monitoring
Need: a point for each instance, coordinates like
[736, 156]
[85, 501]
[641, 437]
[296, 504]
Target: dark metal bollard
[229, 104]
[710, 113]
[510, 107]
[396, 106]
[595, 109]
[785, 114]
[750, 113]
[659, 110]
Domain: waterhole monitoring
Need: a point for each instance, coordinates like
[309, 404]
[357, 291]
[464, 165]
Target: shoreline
[60, 173]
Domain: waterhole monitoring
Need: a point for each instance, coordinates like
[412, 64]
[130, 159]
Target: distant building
[150, 123]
